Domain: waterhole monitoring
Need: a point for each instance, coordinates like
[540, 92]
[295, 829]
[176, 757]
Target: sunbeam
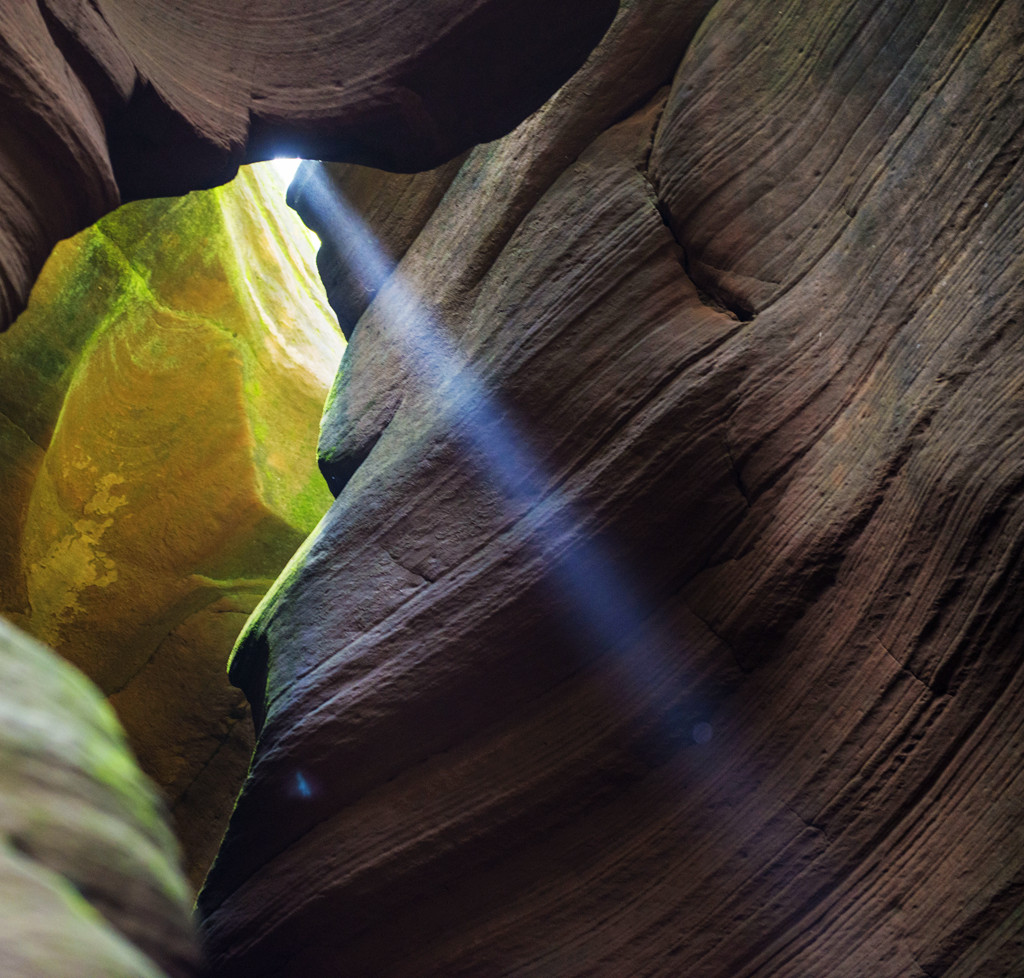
[285, 167]
[611, 613]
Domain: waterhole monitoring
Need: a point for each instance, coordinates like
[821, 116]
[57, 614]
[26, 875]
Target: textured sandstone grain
[764, 340]
[762, 331]
[396, 205]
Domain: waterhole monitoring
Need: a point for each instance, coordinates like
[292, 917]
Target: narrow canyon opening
[160, 399]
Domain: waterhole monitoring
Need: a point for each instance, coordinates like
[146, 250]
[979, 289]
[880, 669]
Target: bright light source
[286, 167]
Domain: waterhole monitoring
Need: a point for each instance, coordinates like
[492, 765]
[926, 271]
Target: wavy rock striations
[159, 401]
[395, 205]
[723, 675]
[114, 100]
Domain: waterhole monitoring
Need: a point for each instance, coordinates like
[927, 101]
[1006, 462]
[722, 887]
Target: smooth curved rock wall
[89, 870]
[118, 100]
[725, 678]
[763, 336]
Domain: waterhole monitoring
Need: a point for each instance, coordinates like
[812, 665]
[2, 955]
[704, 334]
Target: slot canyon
[602, 557]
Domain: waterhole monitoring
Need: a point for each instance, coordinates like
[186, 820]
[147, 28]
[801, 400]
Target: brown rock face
[121, 99]
[668, 618]
[395, 205]
[159, 401]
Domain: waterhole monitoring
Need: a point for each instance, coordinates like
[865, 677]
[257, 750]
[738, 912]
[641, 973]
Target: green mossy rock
[159, 406]
[89, 874]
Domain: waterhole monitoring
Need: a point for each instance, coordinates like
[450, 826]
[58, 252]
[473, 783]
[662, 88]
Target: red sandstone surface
[749, 287]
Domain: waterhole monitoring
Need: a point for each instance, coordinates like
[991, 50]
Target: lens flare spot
[701, 732]
[302, 786]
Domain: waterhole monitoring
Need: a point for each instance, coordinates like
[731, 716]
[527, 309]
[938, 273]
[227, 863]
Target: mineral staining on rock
[160, 402]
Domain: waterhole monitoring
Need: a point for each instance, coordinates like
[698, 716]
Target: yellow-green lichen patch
[168, 377]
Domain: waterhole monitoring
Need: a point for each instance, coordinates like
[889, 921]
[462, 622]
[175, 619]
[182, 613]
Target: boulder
[160, 401]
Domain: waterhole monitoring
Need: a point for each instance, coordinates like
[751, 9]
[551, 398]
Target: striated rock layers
[159, 402]
[113, 100]
[670, 622]
[88, 865]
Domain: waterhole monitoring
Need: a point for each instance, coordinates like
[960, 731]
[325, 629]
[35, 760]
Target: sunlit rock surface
[89, 875]
[159, 403]
[750, 287]
[732, 685]
[118, 100]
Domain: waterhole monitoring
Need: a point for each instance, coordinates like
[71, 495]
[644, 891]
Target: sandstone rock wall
[159, 403]
[88, 864]
[119, 100]
[721, 675]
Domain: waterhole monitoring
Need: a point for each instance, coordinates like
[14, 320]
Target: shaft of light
[593, 586]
